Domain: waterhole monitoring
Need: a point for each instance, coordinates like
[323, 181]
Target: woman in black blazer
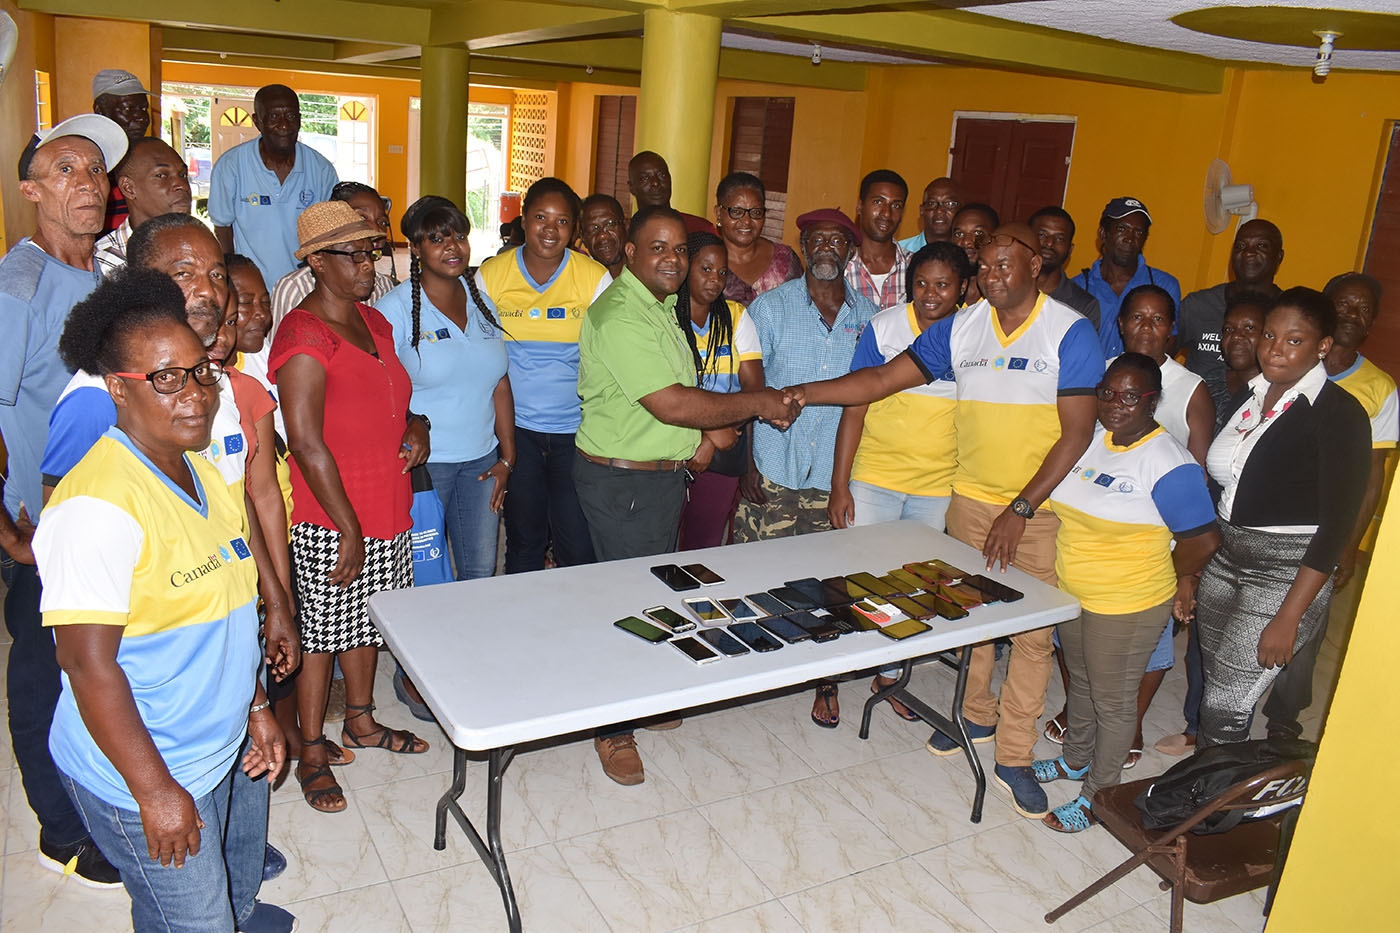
[1291, 463]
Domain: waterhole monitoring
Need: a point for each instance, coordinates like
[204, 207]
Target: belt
[652, 466]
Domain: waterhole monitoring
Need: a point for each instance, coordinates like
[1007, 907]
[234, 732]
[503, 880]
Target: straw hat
[330, 223]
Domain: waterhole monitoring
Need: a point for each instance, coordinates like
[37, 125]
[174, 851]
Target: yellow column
[676, 106]
[442, 145]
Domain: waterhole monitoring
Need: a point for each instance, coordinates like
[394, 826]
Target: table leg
[490, 850]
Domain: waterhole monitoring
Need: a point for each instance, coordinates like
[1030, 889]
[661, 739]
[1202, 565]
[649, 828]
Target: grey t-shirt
[1199, 322]
[1077, 298]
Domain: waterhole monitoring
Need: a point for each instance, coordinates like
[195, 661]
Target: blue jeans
[471, 525]
[541, 505]
[875, 504]
[215, 890]
[1195, 682]
[32, 686]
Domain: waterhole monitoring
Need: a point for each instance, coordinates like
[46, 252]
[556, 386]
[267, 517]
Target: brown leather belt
[652, 466]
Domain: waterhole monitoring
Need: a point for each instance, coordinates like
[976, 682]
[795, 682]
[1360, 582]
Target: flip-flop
[907, 716]
[1054, 730]
[826, 692]
[1134, 756]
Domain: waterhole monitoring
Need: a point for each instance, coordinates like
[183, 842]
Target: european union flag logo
[1017, 362]
[264, 199]
[1105, 480]
[723, 351]
[555, 314]
[233, 444]
[443, 334]
[241, 549]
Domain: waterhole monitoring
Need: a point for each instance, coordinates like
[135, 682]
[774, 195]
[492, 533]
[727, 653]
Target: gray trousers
[1106, 656]
[630, 513]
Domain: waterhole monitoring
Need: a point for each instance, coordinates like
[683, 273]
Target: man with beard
[879, 267]
[1123, 230]
[942, 198]
[258, 189]
[1254, 260]
[1054, 228]
[601, 230]
[154, 181]
[808, 329]
[121, 97]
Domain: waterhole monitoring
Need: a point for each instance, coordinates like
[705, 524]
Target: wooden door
[615, 146]
[231, 123]
[1383, 263]
[760, 143]
[1015, 166]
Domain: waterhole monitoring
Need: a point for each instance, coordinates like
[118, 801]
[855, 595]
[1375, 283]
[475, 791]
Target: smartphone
[899, 586]
[965, 595]
[820, 629]
[768, 603]
[868, 581]
[824, 596]
[753, 635]
[694, 649]
[871, 611]
[995, 588]
[794, 598]
[945, 591]
[910, 608]
[643, 630]
[929, 575]
[705, 575]
[912, 582]
[857, 621]
[676, 578]
[785, 629]
[948, 610]
[726, 644]
[945, 567]
[706, 610]
[738, 609]
[669, 618]
[851, 591]
[902, 629]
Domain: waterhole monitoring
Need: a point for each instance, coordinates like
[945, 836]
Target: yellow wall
[85, 47]
[17, 119]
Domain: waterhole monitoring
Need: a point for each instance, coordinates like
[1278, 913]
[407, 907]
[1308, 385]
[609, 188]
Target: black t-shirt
[1199, 322]
[1077, 298]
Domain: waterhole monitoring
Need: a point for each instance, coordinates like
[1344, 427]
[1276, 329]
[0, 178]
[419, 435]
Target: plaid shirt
[892, 293]
[109, 252]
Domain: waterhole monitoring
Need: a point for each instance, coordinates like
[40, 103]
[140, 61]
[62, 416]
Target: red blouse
[366, 406]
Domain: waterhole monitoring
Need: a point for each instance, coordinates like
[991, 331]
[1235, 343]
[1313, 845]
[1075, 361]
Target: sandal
[398, 741]
[336, 756]
[827, 692]
[1056, 769]
[876, 686]
[1134, 756]
[1072, 817]
[1055, 729]
[314, 794]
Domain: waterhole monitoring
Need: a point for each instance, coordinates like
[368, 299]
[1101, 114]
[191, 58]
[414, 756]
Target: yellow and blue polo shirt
[1376, 392]
[1119, 509]
[542, 320]
[120, 544]
[743, 346]
[1008, 385]
[909, 442]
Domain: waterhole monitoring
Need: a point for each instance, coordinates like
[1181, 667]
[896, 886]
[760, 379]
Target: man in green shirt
[644, 417]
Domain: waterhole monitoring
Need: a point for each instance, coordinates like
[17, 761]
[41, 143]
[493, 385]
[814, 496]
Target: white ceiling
[1148, 22]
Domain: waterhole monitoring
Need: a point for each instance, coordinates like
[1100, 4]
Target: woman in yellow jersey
[895, 457]
[540, 291]
[1134, 491]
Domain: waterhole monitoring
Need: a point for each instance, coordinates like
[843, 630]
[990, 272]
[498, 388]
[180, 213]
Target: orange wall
[17, 117]
[85, 47]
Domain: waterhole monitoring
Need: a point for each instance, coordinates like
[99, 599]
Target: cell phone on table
[739, 609]
[911, 582]
[669, 618]
[768, 603]
[722, 641]
[676, 578]
[795, 597]
[854, 620]
[708, 611]
[696, 650]
[930, 575]
[643, 630]
[823, 595]
[753, 635]
[872, 583]
[910, 608]
[870, 608]
[705, 575]
[949, 569]
[820, 629]
[964, 594]
[947, 609]
[785, 629]
[904, 629]
[850, 591]
[995, 588]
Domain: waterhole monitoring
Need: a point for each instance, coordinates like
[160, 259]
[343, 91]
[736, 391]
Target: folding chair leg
[1093, 889]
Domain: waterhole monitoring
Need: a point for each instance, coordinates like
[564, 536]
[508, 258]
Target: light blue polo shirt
[914, 243]
[246, 195]
[1092, 281]
[454, 372]
[36, 294]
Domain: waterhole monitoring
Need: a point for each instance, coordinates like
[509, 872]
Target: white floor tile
[900, 896]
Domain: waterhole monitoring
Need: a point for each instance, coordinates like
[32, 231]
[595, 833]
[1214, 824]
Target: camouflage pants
[787, 512]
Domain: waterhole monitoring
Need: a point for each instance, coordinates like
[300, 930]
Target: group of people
[226, 429]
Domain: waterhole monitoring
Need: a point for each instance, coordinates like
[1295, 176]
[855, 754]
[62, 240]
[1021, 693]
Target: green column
[442, 129]
[676, 105]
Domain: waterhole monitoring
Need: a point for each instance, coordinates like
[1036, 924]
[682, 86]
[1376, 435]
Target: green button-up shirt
[629, 346]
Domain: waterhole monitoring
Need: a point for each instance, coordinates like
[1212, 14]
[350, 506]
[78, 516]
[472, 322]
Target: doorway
[1383, 257]
[1015, 163]
[615, 146]
[760, 142]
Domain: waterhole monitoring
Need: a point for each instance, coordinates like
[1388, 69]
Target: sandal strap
[1074, 816]
[358, 710]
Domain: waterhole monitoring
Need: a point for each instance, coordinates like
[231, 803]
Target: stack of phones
[687, 577]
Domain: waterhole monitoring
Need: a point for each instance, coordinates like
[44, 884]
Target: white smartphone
[739, 609]
[695, 649]
[708, 611]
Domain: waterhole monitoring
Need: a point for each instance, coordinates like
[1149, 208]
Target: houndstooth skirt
[336, 619]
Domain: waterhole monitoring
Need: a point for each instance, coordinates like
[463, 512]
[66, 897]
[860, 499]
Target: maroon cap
[829, 215]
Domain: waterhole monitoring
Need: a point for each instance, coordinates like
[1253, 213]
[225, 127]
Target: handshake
[779, 407]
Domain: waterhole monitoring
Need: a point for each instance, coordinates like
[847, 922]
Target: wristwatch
[423, 418]
[1022, 507]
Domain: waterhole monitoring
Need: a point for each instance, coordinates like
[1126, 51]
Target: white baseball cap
[105, 134]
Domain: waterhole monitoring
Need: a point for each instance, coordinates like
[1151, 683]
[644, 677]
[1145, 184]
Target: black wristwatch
[1022, 507]
[423, 418]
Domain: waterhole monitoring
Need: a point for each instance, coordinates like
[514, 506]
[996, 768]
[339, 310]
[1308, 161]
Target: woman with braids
[727, 358]
[756, 263]
[455, 354]
[151, 593]
[540, 291]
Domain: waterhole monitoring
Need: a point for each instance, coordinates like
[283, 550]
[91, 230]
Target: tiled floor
[750, 818]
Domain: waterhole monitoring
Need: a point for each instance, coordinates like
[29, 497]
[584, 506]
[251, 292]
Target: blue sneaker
[943, 746]
[268, 918]
[1026, 794]
[274, 863]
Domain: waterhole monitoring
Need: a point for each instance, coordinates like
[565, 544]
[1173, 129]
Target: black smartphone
[872, 583]
[768, 603]
[705, 575]
[794, 598]
[676, 578]
[727, 644]
[851, 591]
[948, 568]
[694, 649]
[911, 582]
[995, 588]
[823, 595]
[964, 594]
[669, 618]
[784, 629]
[739, 609]
[753, 635]
[929, 575]
[910, 608]
[820, 629]
[948, 610]
[643, 630]
[856, 621]
[904, 628]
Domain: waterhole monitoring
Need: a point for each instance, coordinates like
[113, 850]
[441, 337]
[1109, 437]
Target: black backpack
[1188, 785]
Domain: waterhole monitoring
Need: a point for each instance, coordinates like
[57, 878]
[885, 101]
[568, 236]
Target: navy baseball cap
[1119, 208]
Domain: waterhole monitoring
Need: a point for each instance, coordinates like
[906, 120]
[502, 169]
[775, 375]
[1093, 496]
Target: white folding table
[465, 644]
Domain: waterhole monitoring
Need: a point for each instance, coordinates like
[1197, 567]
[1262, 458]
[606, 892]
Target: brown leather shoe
[664, 725]
[620, 760]
[335, 702]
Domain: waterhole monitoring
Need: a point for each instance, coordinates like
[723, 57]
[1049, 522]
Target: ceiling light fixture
[1323, 65]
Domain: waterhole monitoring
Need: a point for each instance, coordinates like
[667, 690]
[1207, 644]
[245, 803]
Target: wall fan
[9, 40]
[1224, 200]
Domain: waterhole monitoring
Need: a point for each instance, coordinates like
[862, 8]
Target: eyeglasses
[172, 380]
[827, 241]
[1006, 239]
[604, 227]
[1107, 394]
[755, 212]
[357, 256]
[948, 204]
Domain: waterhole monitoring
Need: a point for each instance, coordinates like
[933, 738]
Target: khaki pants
[1028, 673]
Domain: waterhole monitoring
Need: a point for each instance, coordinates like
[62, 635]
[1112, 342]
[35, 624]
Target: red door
[1016, 167]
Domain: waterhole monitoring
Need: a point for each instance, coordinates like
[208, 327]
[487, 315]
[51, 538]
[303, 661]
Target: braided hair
[429, 216]
[721, 323]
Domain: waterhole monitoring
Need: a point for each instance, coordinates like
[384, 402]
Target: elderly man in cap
[1123, 230]
[121, 97]
[153, 180]
[1026, 412]
[63, 171]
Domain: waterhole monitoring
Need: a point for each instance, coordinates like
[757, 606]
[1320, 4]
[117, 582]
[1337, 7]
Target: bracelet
[260, 707]
[510, 467]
